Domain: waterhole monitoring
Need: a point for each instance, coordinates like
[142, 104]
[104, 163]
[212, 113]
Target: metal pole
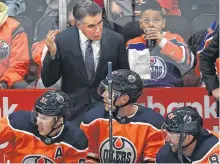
[62, 15]
[110, 112]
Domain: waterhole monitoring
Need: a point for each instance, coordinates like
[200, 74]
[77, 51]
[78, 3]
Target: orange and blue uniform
[206, 151]
[168, 61]
[135, 139]
[25, 145]
[14, 57]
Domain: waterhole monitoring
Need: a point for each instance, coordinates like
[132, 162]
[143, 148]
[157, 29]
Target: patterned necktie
[89, 60]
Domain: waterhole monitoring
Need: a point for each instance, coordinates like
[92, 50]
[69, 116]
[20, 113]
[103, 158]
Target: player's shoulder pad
[95, 113]
[75, 137]
[21, 120]
[148, 115]
[205, 142]
[165, 155]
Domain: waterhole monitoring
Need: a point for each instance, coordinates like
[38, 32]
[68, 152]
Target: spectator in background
[170, 7]
[52, 11]
[14, 58]
[208, 58]
[53, 7]
[207, 36]
[164, 55]
[100, 3]
[15, 7]
[80, 55]
[120, 8]
[39, 51]
[197, 43]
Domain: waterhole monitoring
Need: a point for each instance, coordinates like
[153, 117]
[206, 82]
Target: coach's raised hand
[50, 41]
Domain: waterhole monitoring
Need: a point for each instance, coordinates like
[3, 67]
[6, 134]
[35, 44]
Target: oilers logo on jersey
[158, 67]
[36, 159]
[4, 50]
[123, 150]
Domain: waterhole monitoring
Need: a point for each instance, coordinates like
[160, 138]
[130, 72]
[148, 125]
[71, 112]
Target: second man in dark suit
[80, 55]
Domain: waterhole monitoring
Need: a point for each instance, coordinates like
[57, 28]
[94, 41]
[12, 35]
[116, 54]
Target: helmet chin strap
[180, 148]
[48, 139]
[121, 120]
[115, 113]
[119, 106]
[189, 143]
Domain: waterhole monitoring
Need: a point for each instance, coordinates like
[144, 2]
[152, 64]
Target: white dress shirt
[95, 47]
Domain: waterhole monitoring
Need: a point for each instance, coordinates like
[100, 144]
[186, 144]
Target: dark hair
[86, 8]
[151, 5]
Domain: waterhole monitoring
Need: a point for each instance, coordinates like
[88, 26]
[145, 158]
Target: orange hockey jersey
[211, 31]
[169, 60]
[26, 147]
[39, 49]
[14, 58]
[135, 139]
[207, 150]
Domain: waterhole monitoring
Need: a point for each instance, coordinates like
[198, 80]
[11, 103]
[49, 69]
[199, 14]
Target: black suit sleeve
[123, 57]
[207, 64]
[51, 71]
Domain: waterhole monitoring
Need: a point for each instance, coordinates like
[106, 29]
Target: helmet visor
[35, 117]
[168, 134]
[102, 88]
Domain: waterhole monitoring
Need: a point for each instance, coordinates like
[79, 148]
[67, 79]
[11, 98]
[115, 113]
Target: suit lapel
[76, 50]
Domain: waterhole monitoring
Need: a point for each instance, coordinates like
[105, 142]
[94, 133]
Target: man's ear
[78, 24]
[60, 119]
[125, 98]
[189, 138]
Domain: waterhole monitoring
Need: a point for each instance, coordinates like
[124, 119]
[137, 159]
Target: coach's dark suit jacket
[69, 64]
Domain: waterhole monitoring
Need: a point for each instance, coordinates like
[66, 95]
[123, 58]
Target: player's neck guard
[125, 119]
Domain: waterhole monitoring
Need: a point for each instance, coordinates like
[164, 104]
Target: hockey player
[43, 135]
[165, 55]
[136, 130]
[187, 141]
